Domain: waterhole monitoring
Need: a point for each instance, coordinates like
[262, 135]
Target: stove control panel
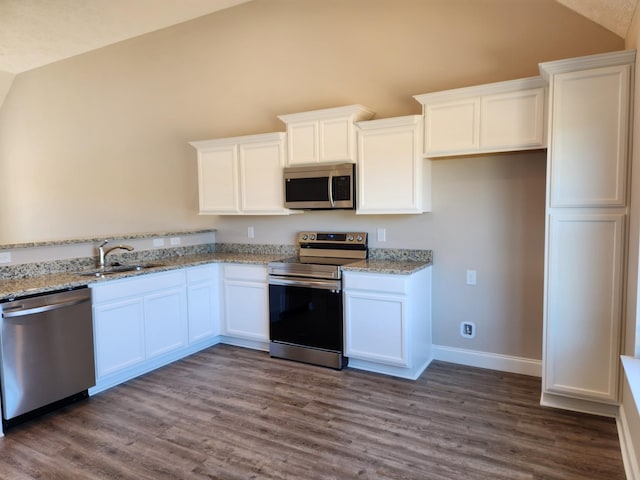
[334, 238]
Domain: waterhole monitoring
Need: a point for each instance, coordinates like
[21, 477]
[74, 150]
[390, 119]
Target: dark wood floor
[232, 413]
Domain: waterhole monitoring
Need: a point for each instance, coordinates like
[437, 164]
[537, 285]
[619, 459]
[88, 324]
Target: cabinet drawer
[245, 272]
[128, 287]
[375, 282]
[205, 273]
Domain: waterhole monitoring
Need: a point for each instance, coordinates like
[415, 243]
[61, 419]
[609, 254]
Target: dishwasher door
[46, 350]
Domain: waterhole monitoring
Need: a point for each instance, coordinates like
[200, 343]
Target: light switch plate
[175, 240]
[5, 257]
[158, 242]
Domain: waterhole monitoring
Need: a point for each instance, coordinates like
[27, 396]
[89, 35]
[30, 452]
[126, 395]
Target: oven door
[306, 313]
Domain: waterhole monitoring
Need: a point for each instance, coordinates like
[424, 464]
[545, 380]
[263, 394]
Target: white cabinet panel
[119, 335]
[452, 126]
[589, 133]
[218, 180]
[512, 120]
[392, 175]
[584, 304]
[166, 325]
[375, 329]
[246, 302]
[261, 185]
[203, 302]
[303, 143]
[337, 139]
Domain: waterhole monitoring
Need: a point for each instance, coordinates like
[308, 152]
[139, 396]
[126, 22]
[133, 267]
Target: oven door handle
[301, 282]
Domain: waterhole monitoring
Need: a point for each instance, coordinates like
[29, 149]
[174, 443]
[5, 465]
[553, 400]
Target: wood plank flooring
[232, 413]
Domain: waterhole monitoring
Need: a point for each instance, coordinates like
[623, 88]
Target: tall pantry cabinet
[586, 219]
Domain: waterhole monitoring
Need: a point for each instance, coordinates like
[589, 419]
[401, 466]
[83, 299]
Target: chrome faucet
[102, 252]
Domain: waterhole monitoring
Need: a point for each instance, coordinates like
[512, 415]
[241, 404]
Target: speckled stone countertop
[381, 261]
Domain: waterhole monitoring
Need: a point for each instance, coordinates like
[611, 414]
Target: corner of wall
[6, 80]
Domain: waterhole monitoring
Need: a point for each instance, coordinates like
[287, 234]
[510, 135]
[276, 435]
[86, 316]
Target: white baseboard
[492, 361]
[631, 468]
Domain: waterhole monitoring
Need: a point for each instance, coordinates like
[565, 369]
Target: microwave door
[307, 192]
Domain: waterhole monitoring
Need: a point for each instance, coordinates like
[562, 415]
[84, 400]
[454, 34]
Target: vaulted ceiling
[34, 33]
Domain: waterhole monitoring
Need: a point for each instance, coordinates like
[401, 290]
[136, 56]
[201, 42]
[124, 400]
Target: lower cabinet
[246, 305]
[148, 321]
[388, 322]
[204, 312]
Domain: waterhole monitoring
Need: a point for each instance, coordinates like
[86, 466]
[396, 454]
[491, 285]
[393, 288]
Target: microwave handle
[331, 190]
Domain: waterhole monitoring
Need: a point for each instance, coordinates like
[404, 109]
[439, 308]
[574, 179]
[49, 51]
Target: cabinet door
[261, 182]
[336, 139]
[452, 127]
[203, 302]
[375, 327]
[165, 321]
[218, 180]
[302, 142]
[583, 305]
[119, 335]
[246, 310]
[390, 169]
[512, 120]
[588, 141]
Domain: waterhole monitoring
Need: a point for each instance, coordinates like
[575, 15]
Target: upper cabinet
[392, 177]
[497, 117]
[242, 175]
[588, 135]
[323, 136]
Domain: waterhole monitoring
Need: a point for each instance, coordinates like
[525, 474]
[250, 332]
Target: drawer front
[375, 282]
[256, 273]
[135, 286]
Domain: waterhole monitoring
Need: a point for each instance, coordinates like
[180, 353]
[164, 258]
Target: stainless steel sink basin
[112, 270]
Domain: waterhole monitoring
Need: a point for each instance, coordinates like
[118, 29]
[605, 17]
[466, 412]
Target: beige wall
[97, 144]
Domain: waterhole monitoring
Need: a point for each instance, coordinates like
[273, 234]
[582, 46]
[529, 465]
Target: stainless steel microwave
[320, 187]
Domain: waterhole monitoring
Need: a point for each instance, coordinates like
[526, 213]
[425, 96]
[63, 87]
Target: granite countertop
[36, 284]
[61, 281]
[397, 267]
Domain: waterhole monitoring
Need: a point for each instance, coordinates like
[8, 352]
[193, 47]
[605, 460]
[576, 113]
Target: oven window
[309, 317]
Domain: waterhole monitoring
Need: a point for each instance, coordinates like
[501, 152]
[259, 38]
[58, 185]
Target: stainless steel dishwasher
[46, 353]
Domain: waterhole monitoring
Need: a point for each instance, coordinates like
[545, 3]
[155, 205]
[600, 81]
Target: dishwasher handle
[19, 310]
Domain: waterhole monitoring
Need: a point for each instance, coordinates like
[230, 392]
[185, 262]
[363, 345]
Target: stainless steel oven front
[305, 320]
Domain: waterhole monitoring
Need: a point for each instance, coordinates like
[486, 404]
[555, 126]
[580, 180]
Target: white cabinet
[388, 322]
[586, 228]
[203, 302]
[242, 175]
[246, 303]
[392, 175]
[584, 304]
[119, 333]
[497, 117]
[165, 319]
[323, 136]
[136, 321]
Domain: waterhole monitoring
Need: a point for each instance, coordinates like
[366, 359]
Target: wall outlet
[382, 234]
[468, 329]
[472, 277]
[5, 257]
[251, 232]
[175, 241]
[158, 242]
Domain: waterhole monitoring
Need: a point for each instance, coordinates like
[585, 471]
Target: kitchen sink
[115, 269]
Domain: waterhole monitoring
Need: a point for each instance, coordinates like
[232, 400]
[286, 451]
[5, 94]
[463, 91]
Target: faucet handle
[103, 243]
